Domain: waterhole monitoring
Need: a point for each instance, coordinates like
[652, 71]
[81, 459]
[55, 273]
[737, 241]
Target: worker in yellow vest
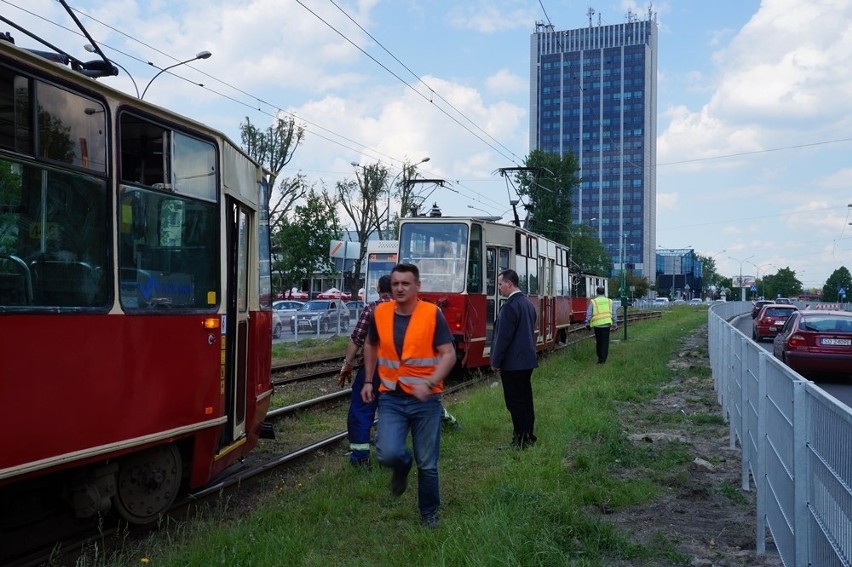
[602, 317]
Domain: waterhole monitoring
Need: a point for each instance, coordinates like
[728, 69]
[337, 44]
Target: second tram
[459, 259]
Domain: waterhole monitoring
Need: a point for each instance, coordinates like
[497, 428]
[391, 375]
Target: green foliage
[548, 189]
[639, 284]
[839, 278]
[709, 275]
[301, 245]
[782, 284]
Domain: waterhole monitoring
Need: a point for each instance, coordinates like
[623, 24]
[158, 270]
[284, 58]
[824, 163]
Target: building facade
[593, 92]
[679, 274]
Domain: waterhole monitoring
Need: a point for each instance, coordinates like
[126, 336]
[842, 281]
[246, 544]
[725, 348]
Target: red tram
[459, 259]
[134, 295]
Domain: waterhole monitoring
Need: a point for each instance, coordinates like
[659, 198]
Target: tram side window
[474, 264]
[168, 251]
[16, 132]
[54, 238]
[71, 128]
[160, 158]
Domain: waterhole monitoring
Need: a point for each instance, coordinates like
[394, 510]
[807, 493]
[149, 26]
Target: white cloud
[506, 82]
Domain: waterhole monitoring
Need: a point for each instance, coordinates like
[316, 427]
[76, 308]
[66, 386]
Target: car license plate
[836, 342]
[772, 329]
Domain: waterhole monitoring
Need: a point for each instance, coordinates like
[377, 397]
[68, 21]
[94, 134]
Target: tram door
[236, 333]
[496, 260]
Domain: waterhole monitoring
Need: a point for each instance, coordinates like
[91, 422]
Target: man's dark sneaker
[399, 480]
[431, 521]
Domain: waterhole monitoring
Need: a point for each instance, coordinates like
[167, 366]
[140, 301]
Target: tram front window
[439, 250]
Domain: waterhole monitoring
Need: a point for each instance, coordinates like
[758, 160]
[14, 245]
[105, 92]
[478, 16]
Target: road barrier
[795, 443]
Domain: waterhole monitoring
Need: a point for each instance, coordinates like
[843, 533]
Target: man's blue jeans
[398, 415]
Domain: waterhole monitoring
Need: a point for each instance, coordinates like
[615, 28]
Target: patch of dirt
[703, 513]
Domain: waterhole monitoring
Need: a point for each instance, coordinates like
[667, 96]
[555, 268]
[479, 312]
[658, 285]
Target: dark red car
[769, 320]
[756, 305]
[816, 342]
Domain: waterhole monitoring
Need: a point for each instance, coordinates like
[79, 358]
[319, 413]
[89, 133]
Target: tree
[782, 284]
[588, 255]
[410, 194]
[360, 201]
[548, 186]
[301, 245]
[274, 148]
[839, 279]
[639, 285]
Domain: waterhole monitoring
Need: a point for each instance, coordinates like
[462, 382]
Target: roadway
[840, 390]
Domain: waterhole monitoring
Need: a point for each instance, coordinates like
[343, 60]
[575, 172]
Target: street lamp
[91, 49]
[624, 281]
[199, 55]
[757, 274]
[742, 289]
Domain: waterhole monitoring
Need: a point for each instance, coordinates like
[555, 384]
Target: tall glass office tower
[593, 92]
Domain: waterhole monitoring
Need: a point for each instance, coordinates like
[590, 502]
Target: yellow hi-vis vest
[601, 312]
[419, 357]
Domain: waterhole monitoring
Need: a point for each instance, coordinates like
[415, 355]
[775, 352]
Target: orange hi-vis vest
[601, 312]
[419, 357]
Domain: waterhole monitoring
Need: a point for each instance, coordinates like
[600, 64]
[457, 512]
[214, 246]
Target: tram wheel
[147, 484]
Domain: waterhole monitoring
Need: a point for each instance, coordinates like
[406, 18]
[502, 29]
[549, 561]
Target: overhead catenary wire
[420, 79]
[407, 84]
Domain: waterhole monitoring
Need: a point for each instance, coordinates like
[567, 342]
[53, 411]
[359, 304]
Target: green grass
[539, 507]
[309, 349]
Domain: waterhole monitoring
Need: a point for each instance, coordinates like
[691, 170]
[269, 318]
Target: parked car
[816, 342]
[286, 308]
[334, 293]
[355, 308]
[696, 301]
[321, 314]
[784, 300]
[770, 319]
[277, 325]
[661, 301]
[756, 305]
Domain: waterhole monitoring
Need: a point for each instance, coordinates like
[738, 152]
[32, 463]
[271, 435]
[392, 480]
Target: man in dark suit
[513, 354]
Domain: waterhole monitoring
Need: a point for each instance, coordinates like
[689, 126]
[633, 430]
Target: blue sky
[754, 121]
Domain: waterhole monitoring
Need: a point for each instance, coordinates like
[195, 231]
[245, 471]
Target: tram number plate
[836, 342]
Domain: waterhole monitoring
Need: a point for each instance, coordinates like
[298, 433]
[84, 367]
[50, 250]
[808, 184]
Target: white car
[277, 325]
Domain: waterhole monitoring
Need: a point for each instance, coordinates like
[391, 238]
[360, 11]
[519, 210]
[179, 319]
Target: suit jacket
[513, 347]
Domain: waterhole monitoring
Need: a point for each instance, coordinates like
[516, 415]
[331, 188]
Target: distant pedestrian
[361, 415]
[513, 354]
[412, 344]
[601, 317]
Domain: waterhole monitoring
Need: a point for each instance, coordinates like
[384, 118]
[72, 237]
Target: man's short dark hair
[511, 275]
[601, 290]
[407, 268]
[384, 285]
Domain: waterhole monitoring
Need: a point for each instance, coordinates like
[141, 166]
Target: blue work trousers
[399, 414]
[359, 422]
